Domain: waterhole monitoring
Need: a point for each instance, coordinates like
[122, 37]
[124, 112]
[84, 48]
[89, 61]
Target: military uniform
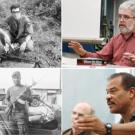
[19, 115]
[19, 29]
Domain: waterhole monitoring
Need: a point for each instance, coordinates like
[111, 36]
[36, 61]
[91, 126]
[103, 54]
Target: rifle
[8, 56]
[8, 110]
[4, 125]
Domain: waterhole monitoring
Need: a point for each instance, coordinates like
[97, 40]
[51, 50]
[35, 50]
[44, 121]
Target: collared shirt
[131, 119]
[113, 51]
[19, 28]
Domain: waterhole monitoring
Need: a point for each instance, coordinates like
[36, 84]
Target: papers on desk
[69, 61]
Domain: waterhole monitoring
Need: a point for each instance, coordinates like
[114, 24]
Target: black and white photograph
[30, 101]
[30, 33]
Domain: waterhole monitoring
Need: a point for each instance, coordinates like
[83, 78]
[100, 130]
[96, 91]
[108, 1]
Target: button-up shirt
[113, 51]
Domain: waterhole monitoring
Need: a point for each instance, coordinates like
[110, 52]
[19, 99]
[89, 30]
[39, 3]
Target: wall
[81, 18]
[85, 85]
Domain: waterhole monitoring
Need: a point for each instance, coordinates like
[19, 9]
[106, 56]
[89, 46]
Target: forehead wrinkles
[115, 82]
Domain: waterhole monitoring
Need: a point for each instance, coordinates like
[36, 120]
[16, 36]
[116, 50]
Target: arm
[123, 129]
[28, 31]
[7, 98]
[96, 125]
[130, 57]
[27, 96]
[106, 53]
[28, 28]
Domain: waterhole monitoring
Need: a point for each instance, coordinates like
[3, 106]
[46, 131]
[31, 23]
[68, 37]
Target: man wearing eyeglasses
[120, 50]
[19, 29]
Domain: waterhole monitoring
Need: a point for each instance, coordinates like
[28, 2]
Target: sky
[48, 78]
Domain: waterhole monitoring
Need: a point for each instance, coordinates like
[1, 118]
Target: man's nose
[76, 116]
[108, 96]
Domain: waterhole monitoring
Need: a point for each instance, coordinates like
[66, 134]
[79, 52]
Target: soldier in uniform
[19, 29]
[18, 97]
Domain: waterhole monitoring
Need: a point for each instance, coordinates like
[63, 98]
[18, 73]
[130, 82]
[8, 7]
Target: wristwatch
[108, 127]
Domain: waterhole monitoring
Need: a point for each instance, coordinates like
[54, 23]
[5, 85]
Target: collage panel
[98, 33]
[98, 101]
[30, 33]
[67, 67]
[30, 101]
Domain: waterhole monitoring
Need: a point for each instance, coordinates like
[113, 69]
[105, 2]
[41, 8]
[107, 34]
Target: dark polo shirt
[131, 119]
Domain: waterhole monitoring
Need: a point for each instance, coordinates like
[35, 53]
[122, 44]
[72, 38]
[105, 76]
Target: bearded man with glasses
[120, 50]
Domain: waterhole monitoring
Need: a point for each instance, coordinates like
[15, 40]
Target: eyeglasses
[14, 12]
[125, 17]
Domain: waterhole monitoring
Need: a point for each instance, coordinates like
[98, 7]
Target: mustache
[110, 102]
[121, 24]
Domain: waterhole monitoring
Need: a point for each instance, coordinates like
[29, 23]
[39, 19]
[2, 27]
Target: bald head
[81, 110]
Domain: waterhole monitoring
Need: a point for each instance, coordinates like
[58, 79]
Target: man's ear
[131, 92]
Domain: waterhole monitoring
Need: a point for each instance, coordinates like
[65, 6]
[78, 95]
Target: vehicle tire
[35, 102]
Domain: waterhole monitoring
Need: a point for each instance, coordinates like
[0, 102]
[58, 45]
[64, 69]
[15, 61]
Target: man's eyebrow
[110, 88]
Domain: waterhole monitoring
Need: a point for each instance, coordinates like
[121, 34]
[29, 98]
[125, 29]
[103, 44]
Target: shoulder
[10, 18]
[10, 89]
[23, 86]
[25, 18]
[117, 37]
[114, 39]
[67, 132]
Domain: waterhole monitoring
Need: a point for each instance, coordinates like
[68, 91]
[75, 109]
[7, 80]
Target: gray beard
[127, 30]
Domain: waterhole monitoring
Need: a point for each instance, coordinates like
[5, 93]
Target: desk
[69, 60]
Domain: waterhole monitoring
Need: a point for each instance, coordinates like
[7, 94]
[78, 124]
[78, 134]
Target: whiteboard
[81, 18]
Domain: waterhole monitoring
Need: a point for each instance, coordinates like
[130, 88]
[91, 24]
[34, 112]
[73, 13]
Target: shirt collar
[130, 36]
[131, 119]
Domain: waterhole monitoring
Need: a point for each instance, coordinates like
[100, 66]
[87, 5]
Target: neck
[18, 85]
[126, 116]
[127, 35]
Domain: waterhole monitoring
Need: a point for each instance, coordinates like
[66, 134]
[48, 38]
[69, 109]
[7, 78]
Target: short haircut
[128, 80]
[92, 111]
[128, 4]
[14, 6]
[16, 74]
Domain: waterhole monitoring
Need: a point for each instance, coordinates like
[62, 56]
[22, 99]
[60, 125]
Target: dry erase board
[81, 18]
